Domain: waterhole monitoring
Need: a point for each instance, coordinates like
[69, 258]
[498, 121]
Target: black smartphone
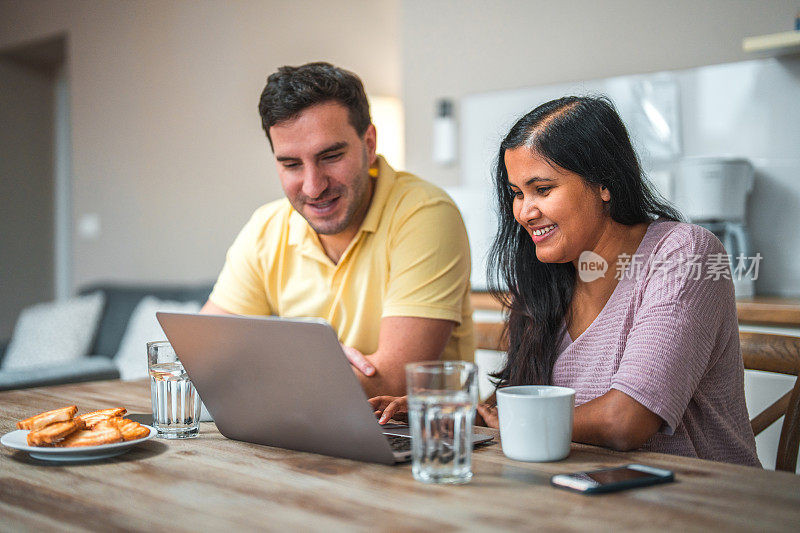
[612, 479]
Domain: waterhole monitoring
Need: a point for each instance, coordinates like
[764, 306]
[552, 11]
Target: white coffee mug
[535, 422]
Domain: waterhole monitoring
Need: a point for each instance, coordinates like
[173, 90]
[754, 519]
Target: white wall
[752, 109]
[452, 48]
[167, 147]
[168, 150]
[744, 109]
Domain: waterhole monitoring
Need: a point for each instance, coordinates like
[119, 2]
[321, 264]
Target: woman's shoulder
[687, 262]
[671, 238]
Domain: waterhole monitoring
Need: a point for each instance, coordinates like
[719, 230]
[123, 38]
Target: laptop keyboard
[399, 443]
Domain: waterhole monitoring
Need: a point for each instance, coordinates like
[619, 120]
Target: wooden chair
[781, 354]
[760, 351]
[490, 336]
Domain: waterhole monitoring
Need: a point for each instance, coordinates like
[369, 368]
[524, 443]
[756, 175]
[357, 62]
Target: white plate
[18, 440]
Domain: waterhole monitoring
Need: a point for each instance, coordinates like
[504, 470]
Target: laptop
[283, 382]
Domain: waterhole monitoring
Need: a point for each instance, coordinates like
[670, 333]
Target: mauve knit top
[669, 338]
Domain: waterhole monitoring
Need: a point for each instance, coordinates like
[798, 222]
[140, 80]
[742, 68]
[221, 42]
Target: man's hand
[358, 360]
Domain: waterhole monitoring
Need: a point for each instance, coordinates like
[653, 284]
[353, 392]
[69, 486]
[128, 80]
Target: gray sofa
[120, 302]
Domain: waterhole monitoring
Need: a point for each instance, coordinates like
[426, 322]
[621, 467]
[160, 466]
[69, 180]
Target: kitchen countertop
[760, 310]
[769, 310]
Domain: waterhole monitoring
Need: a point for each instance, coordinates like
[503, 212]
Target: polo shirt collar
[383, 186]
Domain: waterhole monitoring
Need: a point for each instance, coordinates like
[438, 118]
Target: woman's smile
[540, 233]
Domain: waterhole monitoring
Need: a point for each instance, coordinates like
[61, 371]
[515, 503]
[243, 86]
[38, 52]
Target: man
[381, 255]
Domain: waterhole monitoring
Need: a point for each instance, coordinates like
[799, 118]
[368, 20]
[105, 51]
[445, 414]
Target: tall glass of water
[176, 405]
[442, 397]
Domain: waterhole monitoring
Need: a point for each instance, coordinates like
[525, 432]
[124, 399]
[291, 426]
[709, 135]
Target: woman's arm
[614, 420]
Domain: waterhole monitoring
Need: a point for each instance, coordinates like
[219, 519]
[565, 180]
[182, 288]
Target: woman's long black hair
[584, 135]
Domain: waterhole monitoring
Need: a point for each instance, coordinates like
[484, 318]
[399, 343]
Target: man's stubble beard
[359, 193]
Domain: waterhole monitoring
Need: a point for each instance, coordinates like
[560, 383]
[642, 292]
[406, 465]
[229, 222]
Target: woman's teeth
[544, 230]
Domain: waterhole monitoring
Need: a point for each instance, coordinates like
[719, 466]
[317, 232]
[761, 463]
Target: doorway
[35, 206]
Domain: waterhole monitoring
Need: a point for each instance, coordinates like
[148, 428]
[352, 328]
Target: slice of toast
[103, 414]
[52, 433]
[130, 430]
[104, 432]
[48, 417]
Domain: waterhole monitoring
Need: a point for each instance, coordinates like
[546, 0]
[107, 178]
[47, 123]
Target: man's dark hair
[292, 89]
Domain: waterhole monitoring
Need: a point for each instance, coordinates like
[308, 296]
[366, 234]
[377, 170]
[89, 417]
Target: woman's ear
[605, 194]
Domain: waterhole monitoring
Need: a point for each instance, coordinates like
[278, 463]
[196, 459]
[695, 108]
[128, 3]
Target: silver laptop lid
[279, 382]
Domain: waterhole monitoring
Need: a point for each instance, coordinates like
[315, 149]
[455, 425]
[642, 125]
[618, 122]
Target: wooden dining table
[211, 483]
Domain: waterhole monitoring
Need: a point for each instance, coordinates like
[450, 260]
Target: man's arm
[210, 308]
[401, 340]
[423, 301]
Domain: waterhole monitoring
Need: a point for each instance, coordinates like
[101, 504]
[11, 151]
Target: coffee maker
[712, 192]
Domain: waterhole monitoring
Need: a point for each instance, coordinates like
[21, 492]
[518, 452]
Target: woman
[651, 345]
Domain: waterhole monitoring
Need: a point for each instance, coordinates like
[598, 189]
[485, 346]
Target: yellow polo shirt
[409, 258]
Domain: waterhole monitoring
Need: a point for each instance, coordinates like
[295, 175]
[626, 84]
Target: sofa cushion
[122, 299]
[3, 349]
[143, 327]
[54, 332]
[83, 369]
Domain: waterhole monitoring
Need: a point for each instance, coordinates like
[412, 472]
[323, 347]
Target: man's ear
[371, 141]
[605, 194]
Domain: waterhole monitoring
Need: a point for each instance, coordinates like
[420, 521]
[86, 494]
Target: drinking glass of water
[442, 397]
[176, 405]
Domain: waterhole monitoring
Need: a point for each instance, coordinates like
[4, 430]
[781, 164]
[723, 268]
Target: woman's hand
[397, 407]
[390, 407]
[489, 415]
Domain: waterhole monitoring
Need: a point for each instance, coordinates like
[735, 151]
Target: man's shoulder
[276, 209]
[411, 192]
[422, 208]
